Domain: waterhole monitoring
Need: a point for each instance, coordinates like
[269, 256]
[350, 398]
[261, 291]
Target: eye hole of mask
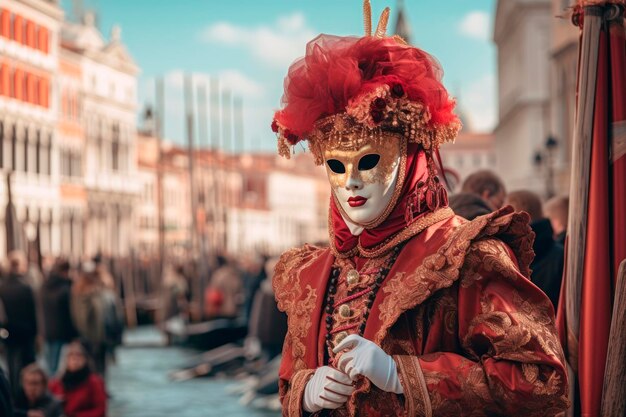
[368, 162]
[336, 166]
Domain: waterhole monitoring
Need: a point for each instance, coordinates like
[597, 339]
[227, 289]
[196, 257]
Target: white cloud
[277, 45]
[237, 82]
[476, 25]
[478, 101]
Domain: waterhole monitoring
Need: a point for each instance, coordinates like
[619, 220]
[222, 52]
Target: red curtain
[604, 240]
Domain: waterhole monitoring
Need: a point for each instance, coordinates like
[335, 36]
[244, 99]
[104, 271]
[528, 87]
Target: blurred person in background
[21, 318]
[547, 267]
[59, 330]
[254, 273]
[176, 292]
[267, 324]
[225, 294]
[78, 386]
[35, 400]
[88, 312]
[112, 310]
[6, 405]
[469, 205]
[488, 186]
[557, 210]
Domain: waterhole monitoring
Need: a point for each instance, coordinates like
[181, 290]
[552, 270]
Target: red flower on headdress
[274, 126]
[397, 91]
[291, 137]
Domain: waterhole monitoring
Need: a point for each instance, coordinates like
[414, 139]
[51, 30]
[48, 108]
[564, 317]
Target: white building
[537, 72]
[522, 35]
[470, 152]
[29, 59]
[108, 108]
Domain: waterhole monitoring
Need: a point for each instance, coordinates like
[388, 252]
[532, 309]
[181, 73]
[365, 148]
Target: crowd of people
[483, 192]
[57, 336]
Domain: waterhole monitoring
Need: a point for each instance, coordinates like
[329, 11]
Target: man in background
[36, 400]
[21, 318]
[557, 210]
[488, 186]
[547, 267]
[59, 328]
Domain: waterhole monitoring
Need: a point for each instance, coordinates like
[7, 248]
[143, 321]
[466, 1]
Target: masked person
[411, 310]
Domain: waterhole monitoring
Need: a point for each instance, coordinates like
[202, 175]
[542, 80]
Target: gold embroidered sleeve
[291, 392]
[511, 362]
[416, 398]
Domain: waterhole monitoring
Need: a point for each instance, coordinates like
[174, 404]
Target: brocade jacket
[469, 332]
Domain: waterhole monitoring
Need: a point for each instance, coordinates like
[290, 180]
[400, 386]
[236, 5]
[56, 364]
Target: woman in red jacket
[81, 390]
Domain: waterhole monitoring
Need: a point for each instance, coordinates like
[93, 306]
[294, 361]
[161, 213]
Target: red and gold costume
[449, 300]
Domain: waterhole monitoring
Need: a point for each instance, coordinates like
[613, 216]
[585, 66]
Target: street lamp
[545, 158]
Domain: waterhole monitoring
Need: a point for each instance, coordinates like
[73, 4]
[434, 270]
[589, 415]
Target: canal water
[140, 387]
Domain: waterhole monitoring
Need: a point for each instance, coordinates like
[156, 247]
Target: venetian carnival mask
[363, 180]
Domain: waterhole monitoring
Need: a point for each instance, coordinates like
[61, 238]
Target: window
[42, 41]
[5, 24]
[49, 156]
[4, 85]
[25, 79]
[26, 149]
[115, 147]
[38, 152]
[29, 31]
[13, 146]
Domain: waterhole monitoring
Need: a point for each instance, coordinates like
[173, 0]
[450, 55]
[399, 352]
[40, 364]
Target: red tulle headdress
[346, 88]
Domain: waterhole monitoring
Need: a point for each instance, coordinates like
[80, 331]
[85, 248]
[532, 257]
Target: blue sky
[250, 44]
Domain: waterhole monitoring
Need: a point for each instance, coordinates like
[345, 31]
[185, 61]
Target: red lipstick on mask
[357, 201]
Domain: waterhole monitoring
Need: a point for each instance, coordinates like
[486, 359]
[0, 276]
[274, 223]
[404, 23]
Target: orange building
[28, 115]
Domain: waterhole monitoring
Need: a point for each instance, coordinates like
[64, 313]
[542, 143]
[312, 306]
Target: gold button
[340, 336]
[353, 277]
[344, 310]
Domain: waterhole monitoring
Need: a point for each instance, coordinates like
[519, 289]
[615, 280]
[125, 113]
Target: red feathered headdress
[364, 86]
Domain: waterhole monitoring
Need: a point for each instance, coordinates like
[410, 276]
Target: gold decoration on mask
[367, 17]
[386, 146]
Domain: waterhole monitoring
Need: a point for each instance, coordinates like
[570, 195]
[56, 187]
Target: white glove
[368, 359]
[328, 388]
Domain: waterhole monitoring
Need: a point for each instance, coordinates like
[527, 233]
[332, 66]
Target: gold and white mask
[363, 180]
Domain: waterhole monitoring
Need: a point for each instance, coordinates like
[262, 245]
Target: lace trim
[414, 385]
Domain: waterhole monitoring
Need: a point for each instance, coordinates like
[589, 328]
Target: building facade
[470, 152]
[522, 34]
[107, 163]
[29, 62]
[67, 130]
[244, 203]
[537, 71]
